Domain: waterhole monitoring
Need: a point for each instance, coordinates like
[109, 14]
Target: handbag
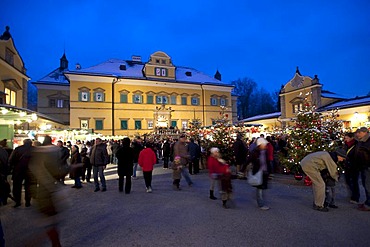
[255, 179]
[75, 170]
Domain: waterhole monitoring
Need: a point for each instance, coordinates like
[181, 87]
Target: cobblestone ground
[189, 218]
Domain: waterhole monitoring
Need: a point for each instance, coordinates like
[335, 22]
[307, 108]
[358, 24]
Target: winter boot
[211, 196]
[224, 204]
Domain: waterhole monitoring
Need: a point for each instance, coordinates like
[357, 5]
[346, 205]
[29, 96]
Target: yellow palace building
[132, 97]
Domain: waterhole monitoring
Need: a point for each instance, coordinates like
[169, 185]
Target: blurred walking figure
[45, 187]
[137, 146]
[18, 162]
[99, 160]
[181, 149]
[259, 159]
[125, 157]
[147, 160]
[220, 175]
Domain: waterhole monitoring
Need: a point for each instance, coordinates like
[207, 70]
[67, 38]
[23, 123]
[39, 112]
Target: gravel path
[189, 218]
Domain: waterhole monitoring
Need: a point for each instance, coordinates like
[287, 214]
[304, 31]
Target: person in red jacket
[219, 172]
[147, 160]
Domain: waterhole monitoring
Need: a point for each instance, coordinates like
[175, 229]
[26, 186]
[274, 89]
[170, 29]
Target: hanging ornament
[298, 176]
[307, 181]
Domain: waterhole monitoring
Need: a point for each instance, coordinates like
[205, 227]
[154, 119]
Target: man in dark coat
[64, 155]
[362, 160]
[99, 159]
[125, 156]
[166, 153]
[194, 151]
[18, 162]
[240, 154]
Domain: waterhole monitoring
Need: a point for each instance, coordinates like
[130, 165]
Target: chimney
[136, 58]
[218, 75]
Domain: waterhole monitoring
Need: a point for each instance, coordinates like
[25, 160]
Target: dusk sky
[263, 40]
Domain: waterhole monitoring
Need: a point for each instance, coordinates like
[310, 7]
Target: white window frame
[99, 96]
[214, 101]
[84, 96]
[138, 98]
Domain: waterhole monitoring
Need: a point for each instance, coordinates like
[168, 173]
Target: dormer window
[297, 104]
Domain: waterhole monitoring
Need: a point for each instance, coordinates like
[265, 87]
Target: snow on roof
[263, 116]
[112, 67]
[133, 69]
[54, 77]
[359, 101]
[183, 75]
[328, 94]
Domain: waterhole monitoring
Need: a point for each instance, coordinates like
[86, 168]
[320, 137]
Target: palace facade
[132, 97]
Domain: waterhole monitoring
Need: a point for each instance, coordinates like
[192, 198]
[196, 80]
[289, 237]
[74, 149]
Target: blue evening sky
[263, 40]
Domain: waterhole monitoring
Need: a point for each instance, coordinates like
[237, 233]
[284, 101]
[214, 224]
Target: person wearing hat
[362, 160]
[313, 164]
[258, 158]
[351, 171]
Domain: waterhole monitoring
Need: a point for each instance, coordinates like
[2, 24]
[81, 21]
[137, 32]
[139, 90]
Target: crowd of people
[41, 168]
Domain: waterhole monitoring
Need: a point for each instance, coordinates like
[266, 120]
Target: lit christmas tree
[312, 131]
[195, 130]
[221, 133]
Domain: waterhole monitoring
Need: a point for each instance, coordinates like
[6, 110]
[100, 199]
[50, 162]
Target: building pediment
[12, 84]
[296, 100]
[84, 89]
[58, 95]
[99, 89]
